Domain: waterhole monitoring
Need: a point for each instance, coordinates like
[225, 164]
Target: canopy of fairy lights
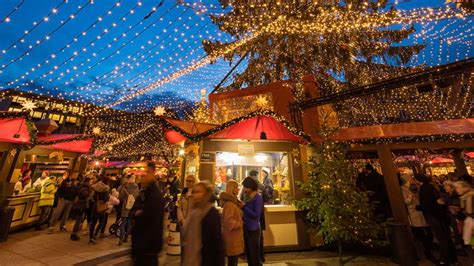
[158, 57]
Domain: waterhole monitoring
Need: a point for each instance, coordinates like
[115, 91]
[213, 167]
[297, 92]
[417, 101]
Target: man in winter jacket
[46, 201]
[147, 232]
[80, 206]
[67, 194]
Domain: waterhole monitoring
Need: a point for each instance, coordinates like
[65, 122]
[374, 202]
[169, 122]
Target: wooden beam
[416, 145]
[459, 163]
[392, 184]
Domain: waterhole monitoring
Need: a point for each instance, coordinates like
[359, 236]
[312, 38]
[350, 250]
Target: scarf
[192, 235]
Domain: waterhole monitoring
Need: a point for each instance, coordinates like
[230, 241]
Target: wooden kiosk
[251, 142]
[21, 149]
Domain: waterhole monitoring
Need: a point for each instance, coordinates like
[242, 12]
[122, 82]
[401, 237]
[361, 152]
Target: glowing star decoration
[96, 130]
[28, 105]
[261, 102]
[159, 111]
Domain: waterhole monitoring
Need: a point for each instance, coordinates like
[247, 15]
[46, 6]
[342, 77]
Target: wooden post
[393, 186]
[459, 163]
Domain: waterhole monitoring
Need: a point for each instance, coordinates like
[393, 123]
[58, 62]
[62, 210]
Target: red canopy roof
[173, 136]
[251, 128]
[175, 130]
[14, 130]
[74, 145]
[190, 127]
[441, 160]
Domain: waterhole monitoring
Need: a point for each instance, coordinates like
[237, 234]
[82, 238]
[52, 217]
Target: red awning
[441, 160]
[174, 137]
[190, 127]
[74, 145]
[14, 130]
[251, 129]
[177, 130]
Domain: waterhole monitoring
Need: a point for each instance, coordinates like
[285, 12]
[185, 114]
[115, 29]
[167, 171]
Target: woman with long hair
[203, 247]
[233, 225]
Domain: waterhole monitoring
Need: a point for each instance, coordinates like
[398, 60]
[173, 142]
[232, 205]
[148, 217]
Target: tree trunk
[339, 247]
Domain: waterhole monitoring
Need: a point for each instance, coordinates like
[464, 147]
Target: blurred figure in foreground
[147, 231]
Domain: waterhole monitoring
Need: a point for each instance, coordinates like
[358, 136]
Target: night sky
[83, 52]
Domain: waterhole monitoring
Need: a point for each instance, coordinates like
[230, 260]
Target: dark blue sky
[142, 50]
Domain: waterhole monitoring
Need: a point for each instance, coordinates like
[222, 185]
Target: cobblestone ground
[40, 248]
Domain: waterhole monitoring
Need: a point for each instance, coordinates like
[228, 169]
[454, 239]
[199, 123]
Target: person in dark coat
[80, 207]
[202, 235]
[436, 214]
[371, 181]
[147, 231]
[66, 194]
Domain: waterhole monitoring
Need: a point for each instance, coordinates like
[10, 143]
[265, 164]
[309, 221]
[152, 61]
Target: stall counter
[26, 209]
[281, 227]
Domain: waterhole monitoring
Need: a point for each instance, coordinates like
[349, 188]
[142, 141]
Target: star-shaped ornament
[261, 101]
[28, 105]
[96, 130]
[159, 111]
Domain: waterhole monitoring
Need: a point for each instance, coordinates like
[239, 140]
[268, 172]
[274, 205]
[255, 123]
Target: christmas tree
[201, 112]
[326, 38]
[334, 208]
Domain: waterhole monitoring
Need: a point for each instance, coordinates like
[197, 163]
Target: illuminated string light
[45, 38]
[21, 39]
[7, 17]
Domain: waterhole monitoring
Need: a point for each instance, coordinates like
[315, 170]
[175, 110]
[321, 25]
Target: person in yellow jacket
[46, 201]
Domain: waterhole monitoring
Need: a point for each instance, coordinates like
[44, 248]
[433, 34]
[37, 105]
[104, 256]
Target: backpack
[130, 201]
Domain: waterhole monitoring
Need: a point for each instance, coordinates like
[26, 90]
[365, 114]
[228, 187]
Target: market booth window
[272, 171]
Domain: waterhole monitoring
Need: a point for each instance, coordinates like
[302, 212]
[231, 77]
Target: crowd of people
[207, 237]
[440, 210]
[88, 200]
[441, 207]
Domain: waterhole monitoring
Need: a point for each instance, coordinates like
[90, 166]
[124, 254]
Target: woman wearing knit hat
[252, 211]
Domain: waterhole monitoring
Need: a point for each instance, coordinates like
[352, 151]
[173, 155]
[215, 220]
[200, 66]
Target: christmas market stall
[260, 141]
[28, 150]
